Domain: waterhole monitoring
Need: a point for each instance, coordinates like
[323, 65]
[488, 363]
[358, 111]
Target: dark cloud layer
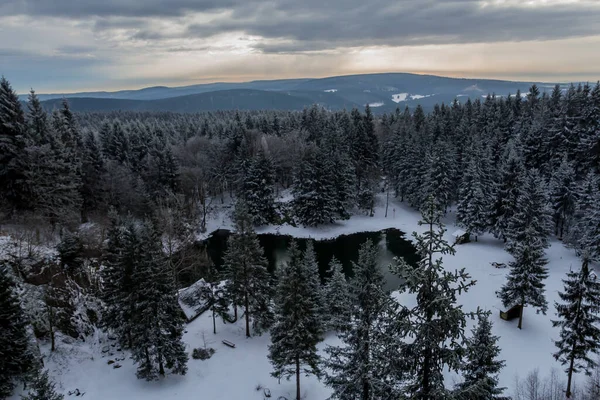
[309, 25]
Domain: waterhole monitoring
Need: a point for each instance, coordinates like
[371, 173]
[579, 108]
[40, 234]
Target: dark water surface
[391, 242]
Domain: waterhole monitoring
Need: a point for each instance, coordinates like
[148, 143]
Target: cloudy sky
[74, 45]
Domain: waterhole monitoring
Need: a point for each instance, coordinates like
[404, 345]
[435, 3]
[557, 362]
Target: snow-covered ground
[399, 97]
[233, 374]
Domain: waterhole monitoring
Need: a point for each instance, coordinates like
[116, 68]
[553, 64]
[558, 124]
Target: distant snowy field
[233, 374]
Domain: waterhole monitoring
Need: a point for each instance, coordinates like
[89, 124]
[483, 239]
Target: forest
[123, 196]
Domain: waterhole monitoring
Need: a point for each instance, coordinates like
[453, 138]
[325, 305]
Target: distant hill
[236, 99]
[383, 92]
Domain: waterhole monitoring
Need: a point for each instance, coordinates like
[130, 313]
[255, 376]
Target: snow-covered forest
[102, 214]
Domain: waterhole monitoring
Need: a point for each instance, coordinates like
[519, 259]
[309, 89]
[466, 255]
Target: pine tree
[309, 259]
[43, 389]
[578, 320]
[297, 327]
[471, 210]
[12, 144]
[258, 189]
[93, 176]
[16, 358]
[70, 251]
[246, 272]
[157, 323]
[505, 194]
[436, 324]
[481, 368]
[439, 177]
[356, 367]
[584, 236]
[532, 218]
[524, 285]
[118, 293]
[562, 196]
[337, 298]
[314, 193]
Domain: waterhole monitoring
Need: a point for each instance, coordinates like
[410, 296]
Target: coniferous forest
[120, 200]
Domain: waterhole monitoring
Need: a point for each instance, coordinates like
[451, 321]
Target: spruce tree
[309, 259]
[436, 324]
[297, 327]
[505, 194]
[481, 368]
[355, 369]
[578, 322]
[563, 197]
[439, 177]
[119, 288]
[16, 358]
[584, 235]
[258, 189]
[525, 281]
[532, 217]
[43, 389]
[93, 177]
[337, 298]
[314, 191]
[12, 144]
[471, 210]
[157, 323]
[245, 269]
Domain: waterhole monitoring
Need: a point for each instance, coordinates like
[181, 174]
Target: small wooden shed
[461, 237]
[511, 314]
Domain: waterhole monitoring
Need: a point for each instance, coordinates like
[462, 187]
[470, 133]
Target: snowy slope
[233, 374]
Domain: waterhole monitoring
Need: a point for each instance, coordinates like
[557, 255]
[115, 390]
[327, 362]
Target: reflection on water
[391, 242]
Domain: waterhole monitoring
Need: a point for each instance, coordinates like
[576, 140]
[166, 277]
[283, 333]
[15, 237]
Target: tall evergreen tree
[472, 210]
[297, 328]
[584, 235]
[118, 285]
[16, 358]
[578, 321]
[246, 272]
[356, 367]
[505, 194]
[158, 325]
[532, 218]
[309, 259]
[314, 192]
[12, 144]
[563, 196]
[337, 298]
[525, 281]
[481, 368]
[258, 189]
[437, 323]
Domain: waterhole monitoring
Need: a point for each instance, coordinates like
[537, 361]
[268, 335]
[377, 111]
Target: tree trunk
[247, 314]
[214, 323]
[521, 316]
[161, 367]
[51, 326]
[297, 377]
[387, 200]
[570, 374]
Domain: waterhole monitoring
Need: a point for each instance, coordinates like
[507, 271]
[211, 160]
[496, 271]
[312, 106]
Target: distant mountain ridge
[383, 92]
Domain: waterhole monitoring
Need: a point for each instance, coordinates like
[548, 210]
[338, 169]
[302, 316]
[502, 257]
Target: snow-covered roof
[459, 233]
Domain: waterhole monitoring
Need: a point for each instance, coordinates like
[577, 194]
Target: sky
[79, 45]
